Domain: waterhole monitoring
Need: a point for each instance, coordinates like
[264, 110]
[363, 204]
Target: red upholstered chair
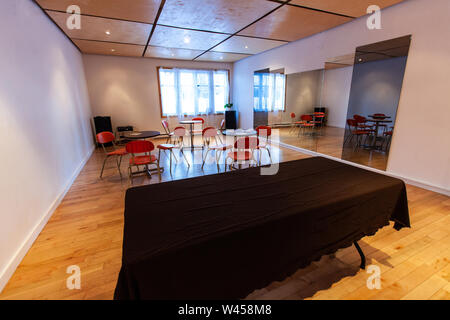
[141, 156]
[177, 140]
[243, 151]
[105, 138]
[381, 116]
[319, 119]
[354, 131]
[264, 132]
[208, 135]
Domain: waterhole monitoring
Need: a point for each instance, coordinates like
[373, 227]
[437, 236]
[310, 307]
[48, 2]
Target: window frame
[188, 68]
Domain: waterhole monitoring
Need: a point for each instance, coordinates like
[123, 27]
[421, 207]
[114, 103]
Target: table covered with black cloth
[222, 236]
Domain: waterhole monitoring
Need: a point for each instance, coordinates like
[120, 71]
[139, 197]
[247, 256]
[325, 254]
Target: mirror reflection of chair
[208, 135]
[354, 131]
[306, 124]
[243, 152]
[264, 132]
[106, 138]
[387, 139]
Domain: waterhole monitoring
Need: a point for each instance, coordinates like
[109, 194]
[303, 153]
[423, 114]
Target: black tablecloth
[222, 236]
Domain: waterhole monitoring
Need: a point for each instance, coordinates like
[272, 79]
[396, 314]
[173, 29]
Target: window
[193, 92]
[269, 91]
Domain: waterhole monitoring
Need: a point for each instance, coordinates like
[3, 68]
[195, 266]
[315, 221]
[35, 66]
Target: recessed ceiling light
[221, 58]
[187, 39]
[113, 50]
[360, 60]
[108, 32]
[173, 55]
[246, 47]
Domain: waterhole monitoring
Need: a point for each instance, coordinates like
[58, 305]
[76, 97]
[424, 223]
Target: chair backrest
[199, 119]
[379, 115]
[352, 123]
[139, 146]
[292, 115]
[319, 114]
[165, 125]
[209, 132]
[306, 117]
[105, 137]
[222, 124]
[264, 131]
[179, 131]
[359, 119]
[246, 143]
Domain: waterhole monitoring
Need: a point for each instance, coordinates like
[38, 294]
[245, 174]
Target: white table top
[190, 121]
[239, 132]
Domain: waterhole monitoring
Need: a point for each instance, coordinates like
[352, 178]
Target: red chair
[362, 123]
[306, 122]
[243, 151]
[319, 119]
[198, 131]
[294, 124]
[108, 137]
[165, 125]
[381, 116]
[177, 143]
[388, 138]
[355, 132]
[219, 148]
[141, 156]
[266, 133]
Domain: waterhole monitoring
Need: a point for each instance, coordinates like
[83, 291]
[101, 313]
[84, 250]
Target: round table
[140, 135]
[191, 129]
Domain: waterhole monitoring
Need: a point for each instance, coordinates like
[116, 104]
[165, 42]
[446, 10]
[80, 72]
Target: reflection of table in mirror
[191, 124]
[141, 135]
[377, 126]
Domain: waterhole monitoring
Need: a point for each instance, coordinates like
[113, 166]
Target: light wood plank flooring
[86, 230]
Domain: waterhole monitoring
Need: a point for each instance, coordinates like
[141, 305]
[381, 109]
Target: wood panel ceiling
[202, 30]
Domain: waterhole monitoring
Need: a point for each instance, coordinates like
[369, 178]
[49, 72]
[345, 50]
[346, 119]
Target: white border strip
[410, 181]
[12, 265]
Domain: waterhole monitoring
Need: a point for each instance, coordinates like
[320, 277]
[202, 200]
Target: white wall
[420, 149]
[335, 95]
[126, 88]
[44, 125]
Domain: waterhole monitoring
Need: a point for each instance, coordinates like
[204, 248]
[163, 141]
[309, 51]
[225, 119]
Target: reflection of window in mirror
[269, 95]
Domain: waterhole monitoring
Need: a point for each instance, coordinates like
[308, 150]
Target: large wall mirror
[347, 109]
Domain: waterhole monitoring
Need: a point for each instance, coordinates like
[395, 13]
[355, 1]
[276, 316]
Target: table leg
[374, 144]
[361, 254]
[192, 136]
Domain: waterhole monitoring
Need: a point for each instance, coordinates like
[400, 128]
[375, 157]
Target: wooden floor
[330, 142]
[86, 230]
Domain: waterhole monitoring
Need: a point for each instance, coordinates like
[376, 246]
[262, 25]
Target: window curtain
[186, 92]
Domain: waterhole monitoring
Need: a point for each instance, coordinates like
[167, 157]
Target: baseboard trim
[407, 180]
[11, 267]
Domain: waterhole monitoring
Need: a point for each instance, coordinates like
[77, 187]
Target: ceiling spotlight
[173, 55]
[246, 47]
[360, 59]
[187, 39]
[221, 58]
[108, 32]
[113, 50]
